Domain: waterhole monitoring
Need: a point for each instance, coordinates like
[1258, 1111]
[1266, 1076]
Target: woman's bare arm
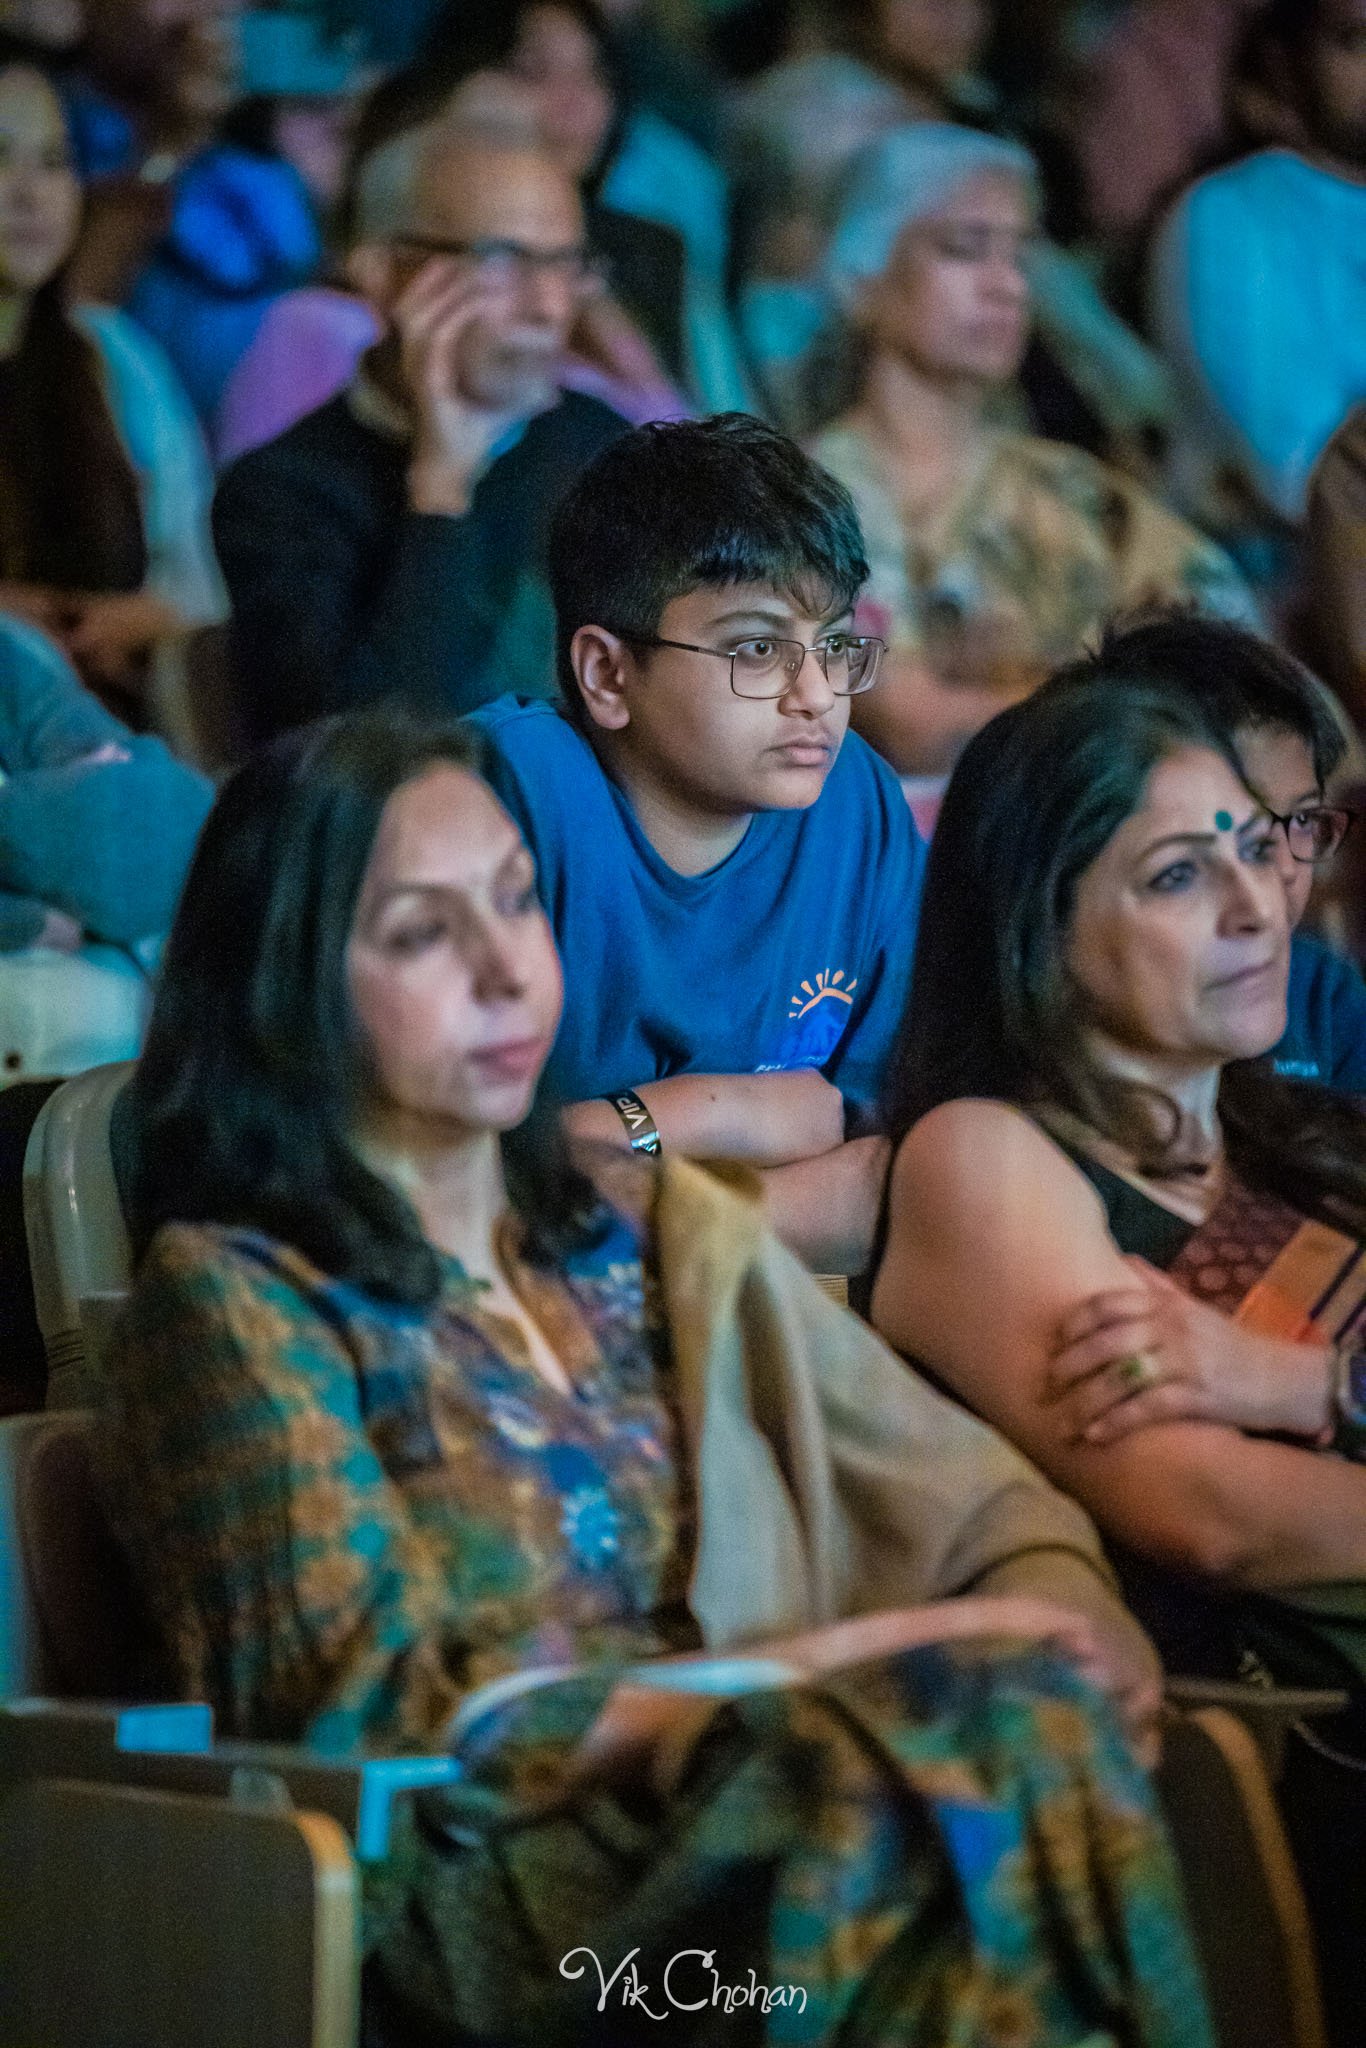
[994, 1238]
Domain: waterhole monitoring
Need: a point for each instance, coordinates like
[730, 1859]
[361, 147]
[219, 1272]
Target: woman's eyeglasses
[1315, 833]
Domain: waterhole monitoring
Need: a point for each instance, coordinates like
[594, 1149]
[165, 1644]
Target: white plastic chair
[77, 1239]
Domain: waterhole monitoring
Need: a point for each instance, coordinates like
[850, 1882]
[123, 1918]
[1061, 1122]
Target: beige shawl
[832, 1480]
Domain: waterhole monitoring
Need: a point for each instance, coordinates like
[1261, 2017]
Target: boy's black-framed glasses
[765, 667]
[1315, 832]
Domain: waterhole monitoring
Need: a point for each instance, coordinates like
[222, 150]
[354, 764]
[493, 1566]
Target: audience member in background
[1291, 739]
[994, 554]
[53, 27]
[1153, 107]
[104, 483]
[744, 875]
[1115, 1232]
[1258, 295]
[300, 83]
[565, 1422]
[391, 543]
[795, 131]
[310, 344]
[665, 68]
[1335, 614]
[1088, 377]
[194, 232]
[934, 49]
[97, 826]
[656, 206]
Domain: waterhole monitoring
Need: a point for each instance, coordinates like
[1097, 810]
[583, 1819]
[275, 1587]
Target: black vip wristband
[643, 1130]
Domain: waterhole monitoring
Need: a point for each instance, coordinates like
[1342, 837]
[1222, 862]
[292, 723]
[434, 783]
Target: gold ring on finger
[1139, 1370]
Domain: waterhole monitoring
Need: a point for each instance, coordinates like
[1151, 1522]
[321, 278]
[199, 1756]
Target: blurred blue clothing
[793, 952]
[108, 841]
[1259, 299]
[104, 138]
[243, 231]
[1325, 1037]
[162, 440]
[660, 174]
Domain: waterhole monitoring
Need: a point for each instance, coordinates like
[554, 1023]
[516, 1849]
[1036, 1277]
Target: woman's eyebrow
[516, 856]
[1233, 831]
[391, 892]
[1178, 839]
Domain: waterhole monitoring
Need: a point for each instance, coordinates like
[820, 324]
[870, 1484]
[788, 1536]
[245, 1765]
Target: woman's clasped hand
[1131, 1356]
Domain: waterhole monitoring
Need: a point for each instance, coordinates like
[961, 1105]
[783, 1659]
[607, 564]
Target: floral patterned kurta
[348, 1514]
[1038, 548]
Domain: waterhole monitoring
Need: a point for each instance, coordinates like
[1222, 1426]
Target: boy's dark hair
[243, 1108]
[1232, 677]
[672, 508]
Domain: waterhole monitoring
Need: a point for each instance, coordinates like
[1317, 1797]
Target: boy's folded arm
[825, 1209]
[764, 1119]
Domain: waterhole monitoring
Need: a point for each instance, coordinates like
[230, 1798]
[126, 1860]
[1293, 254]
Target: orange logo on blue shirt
[827, 988]
[816, 1016]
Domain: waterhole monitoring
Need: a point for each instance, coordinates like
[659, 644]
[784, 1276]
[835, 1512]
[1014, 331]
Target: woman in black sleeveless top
[1102, 962]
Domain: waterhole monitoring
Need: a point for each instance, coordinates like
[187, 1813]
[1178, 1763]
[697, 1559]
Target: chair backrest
[134, 1917]
[77, 1239]
[71, 1620]
[1247, 1910]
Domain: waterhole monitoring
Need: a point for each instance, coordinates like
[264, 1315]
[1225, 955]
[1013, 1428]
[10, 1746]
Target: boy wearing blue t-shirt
[1291, 739]
[732, 877]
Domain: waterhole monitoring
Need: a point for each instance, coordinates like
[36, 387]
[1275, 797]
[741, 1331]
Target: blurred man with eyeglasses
[733, 877]
[392, 543]
[1292, 739]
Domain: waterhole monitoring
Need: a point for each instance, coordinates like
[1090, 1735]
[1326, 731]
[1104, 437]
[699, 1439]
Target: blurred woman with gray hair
[995, 554]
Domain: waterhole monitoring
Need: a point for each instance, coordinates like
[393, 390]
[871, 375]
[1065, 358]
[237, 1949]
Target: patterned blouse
[1041, 545]
[346, 1513]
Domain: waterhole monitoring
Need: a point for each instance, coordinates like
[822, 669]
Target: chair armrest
[1267, 1712]
[171, 1749]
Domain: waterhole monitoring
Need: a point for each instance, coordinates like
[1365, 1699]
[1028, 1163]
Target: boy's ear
[603, 666]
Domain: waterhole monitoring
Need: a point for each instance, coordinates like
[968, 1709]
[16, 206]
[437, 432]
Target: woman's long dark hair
[994, 1010]
[70, 511]
[245, 1100]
